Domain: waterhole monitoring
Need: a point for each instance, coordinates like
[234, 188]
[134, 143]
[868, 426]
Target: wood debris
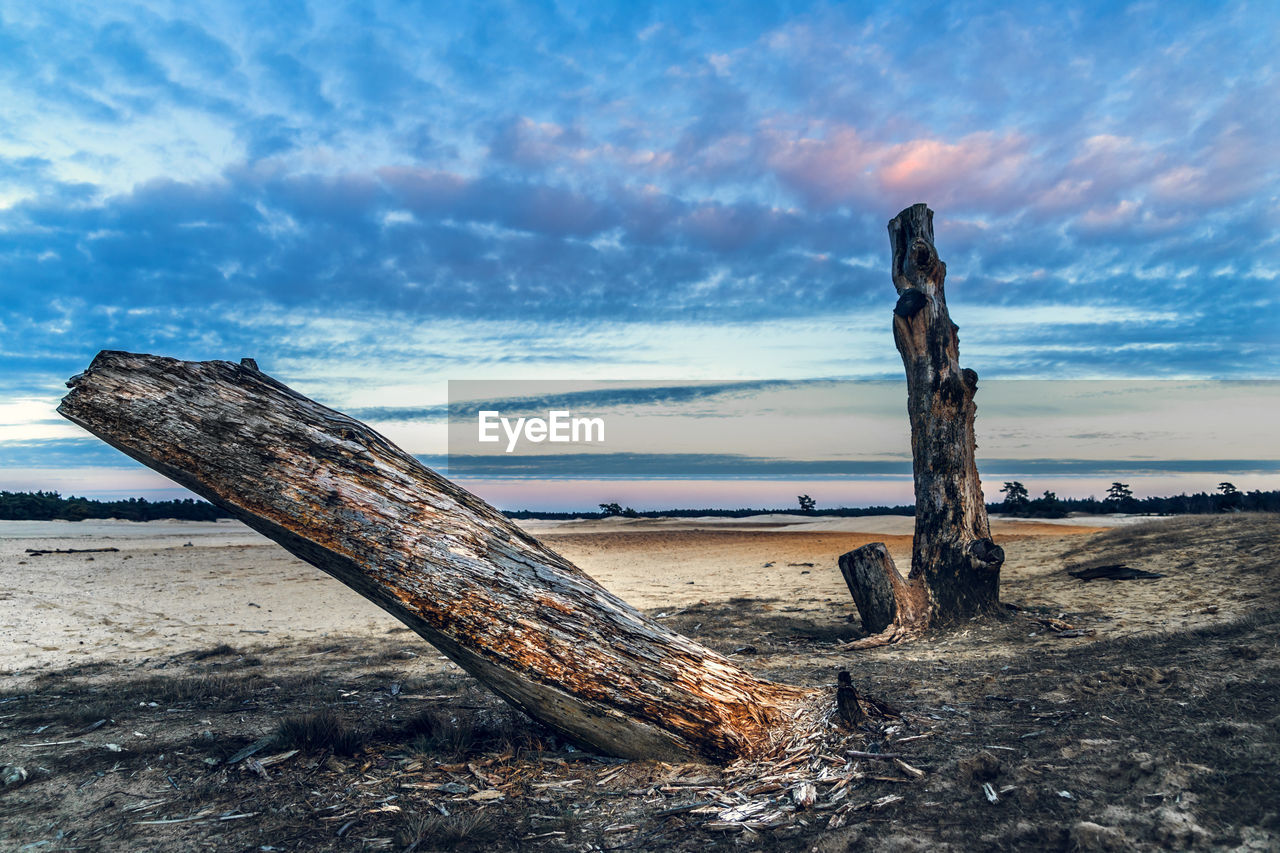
[810, 767]
[1062, 628]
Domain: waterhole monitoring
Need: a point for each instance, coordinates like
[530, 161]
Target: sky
[372, 199]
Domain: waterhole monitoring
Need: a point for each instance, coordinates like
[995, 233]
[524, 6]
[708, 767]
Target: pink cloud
[1229, 168]
[1127, 215]
[978, 166]
[1106, 167]
[843, 166]
[1066, 194]
[827, 170]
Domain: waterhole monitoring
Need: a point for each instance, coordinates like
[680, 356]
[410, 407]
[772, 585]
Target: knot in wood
[910, 303]
[986, 554]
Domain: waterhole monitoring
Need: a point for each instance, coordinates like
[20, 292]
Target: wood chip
[272, 760]
[913, 772]
[804, 795]
[885, 802]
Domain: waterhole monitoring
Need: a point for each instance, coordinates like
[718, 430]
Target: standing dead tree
[523, 620]
[955, 567]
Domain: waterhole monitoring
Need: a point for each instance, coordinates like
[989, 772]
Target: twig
[37, 552]
[914, 737]
[913, 772]
[685, 808]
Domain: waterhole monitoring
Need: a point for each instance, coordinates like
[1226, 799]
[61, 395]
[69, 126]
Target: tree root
[895, 633]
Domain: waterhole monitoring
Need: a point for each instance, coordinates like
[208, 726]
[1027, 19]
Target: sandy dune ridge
[173, 586]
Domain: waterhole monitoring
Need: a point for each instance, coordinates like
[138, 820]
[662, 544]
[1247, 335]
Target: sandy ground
[1158, 731]
[176, 586]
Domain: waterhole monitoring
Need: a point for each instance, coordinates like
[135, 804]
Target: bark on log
[527, 623]
[955, 565]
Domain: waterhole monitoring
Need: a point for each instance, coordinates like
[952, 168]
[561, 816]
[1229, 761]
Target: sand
[1163, 737]
[175, 586]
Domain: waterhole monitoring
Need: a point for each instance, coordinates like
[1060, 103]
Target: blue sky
[374, 198]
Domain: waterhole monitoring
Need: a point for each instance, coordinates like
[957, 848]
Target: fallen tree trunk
[527, 623]
[955, 566]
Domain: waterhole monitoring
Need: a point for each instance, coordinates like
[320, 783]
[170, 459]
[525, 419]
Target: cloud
[665, 189]
[845, 167]
[62, 453]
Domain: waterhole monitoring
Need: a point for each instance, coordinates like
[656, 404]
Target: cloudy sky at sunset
[372, 199]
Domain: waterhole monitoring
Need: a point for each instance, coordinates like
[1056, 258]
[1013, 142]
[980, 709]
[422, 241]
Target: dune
[174, 586]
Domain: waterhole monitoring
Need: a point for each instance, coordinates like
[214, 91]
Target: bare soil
[1160, 731]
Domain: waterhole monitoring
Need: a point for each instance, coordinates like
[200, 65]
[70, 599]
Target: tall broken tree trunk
[955, 567]
[520, 618]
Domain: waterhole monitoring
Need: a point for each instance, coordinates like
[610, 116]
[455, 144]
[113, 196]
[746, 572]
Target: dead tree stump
[867, 571]
[955, 566]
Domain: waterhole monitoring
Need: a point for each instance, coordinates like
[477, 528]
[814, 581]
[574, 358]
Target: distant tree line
[628, 512]
[51, 506]
[1018, 502]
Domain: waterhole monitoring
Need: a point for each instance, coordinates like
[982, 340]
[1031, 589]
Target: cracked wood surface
[523, 620]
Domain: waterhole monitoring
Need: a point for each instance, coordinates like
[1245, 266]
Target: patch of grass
[187, 688]
[441, 735]
[71, 715]
[60, 677]
[87, 713]
[320, 730]
[452, 737]
[449, 832]
[223, 650]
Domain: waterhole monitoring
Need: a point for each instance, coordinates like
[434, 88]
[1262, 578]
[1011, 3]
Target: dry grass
[467, 831]
[221, 650]
[322, 730]
[1234, 535]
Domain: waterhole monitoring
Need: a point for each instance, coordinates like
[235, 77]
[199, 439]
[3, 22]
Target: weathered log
[955, 565]
[523, 620]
